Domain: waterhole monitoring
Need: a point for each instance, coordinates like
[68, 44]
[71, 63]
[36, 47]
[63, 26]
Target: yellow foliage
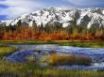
[63, 59]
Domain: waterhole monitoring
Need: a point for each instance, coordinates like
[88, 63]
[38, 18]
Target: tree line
[23, 31]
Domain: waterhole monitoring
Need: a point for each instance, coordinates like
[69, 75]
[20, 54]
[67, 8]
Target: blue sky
[10, 9]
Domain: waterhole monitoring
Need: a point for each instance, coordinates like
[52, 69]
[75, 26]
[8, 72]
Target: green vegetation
[92, 44]
[6, 50]
[32, 70]
[76, 43]
[31, 58]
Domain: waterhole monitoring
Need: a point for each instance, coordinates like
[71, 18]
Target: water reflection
[96, 54]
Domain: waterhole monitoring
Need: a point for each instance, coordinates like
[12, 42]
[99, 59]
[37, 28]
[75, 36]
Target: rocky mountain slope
[88, 17]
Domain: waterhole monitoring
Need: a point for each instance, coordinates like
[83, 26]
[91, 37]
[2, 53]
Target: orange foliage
[29, 33]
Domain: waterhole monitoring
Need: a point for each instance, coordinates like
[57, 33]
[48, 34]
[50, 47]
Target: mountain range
[87, 17]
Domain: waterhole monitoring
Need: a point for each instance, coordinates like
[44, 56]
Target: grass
[33, 70]
[6, 50]
[84, 44]
[76, 43]
[31, 58]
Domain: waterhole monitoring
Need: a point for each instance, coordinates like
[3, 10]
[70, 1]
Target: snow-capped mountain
[7, 22]
[82, 17]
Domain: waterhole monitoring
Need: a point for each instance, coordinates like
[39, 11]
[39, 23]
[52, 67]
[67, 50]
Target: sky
[10, 9]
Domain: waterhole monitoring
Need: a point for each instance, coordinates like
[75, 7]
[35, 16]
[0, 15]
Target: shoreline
[75, 43]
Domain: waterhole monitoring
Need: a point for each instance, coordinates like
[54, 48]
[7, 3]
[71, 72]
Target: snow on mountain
[82, 17]
[7, 22]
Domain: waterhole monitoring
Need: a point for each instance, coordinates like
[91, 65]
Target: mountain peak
[82, 17]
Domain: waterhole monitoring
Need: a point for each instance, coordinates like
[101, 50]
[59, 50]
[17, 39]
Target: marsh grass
[31, 58]
[6, 50]
[33, 70]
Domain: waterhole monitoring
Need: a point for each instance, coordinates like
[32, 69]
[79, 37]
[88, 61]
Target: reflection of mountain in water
[96, 54]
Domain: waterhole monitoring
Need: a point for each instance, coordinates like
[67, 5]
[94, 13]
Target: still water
[96, 54]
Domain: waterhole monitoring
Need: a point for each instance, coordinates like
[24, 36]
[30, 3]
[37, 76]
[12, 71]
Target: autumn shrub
[57, 59]
[80, 60]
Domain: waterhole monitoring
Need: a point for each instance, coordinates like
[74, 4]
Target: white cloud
[18, 7]
[75, 1]
[86, 2]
